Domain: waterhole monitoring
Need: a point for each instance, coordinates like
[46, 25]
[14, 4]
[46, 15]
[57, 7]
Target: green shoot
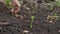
[32, 18]
[8, 3]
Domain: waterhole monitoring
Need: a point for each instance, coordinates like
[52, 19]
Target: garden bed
[42, 24]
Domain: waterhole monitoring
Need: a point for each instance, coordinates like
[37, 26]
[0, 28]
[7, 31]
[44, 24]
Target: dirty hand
[16, 6]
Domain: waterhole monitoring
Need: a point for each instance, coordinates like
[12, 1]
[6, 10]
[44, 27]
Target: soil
[17, 25]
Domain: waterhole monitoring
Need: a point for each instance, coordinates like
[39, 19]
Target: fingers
[16, 6]
[18, 3]
[15, 9]
[13, 2]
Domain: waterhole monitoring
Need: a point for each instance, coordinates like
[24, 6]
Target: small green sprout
[8, 3]
[32, 18]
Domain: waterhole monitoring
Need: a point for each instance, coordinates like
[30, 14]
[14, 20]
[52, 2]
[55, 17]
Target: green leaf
[7, 1]
[32, 17]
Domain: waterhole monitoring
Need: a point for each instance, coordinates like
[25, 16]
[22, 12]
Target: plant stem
[31, 24]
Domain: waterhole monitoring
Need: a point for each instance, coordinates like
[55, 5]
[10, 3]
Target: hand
[16, 6]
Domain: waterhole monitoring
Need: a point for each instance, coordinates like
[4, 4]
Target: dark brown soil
[16, 25]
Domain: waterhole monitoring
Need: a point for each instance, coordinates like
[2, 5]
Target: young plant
[8, 3]
[32, 18]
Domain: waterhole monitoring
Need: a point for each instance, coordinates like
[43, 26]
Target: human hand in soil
[16, 6]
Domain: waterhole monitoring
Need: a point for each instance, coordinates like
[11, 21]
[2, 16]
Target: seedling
[8, 3]
[32, 18]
